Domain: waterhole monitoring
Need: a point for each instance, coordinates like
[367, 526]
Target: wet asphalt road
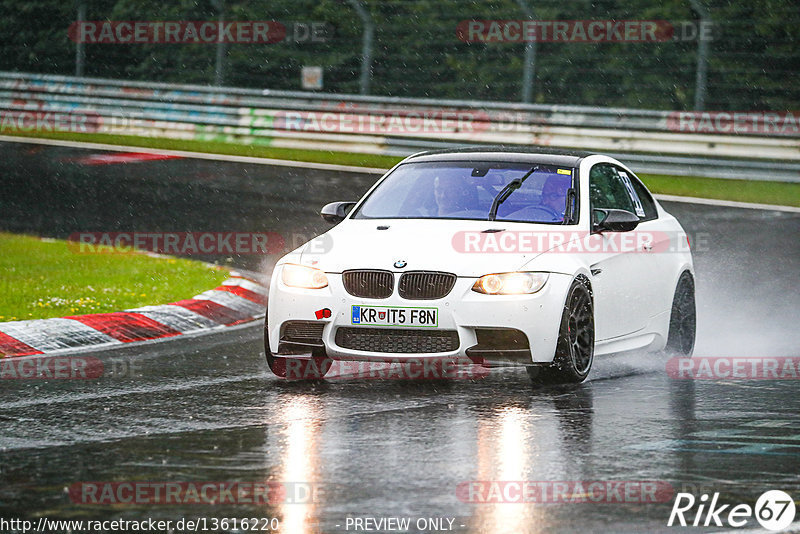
[206, 409]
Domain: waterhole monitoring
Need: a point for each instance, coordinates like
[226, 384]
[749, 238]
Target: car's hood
[435, 245]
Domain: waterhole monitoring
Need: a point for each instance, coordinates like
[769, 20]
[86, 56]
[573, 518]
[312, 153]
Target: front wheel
[313, 368]
[683, 318]
[575, 347]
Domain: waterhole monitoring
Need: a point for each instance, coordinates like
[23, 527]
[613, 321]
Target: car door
[618, 271]
[657, 241]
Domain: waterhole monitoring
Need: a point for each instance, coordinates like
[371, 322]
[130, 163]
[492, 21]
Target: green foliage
[754, 61]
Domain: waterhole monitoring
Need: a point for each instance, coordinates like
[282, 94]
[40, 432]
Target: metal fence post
[366, 47]
[80, 52]
[219, 66]
[702, 57]
[529, 63]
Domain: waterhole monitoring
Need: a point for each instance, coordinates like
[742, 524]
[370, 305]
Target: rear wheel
[683, 318]
[312, 368]
[575, 347]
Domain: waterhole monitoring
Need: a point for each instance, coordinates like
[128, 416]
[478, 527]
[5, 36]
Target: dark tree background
[754, 60]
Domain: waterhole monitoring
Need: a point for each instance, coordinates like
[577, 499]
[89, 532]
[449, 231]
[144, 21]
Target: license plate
[394, 316]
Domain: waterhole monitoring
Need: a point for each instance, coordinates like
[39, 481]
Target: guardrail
[395, 126]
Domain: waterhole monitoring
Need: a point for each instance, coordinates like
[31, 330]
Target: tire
[314, 368]
[682, 318]
[575, 348]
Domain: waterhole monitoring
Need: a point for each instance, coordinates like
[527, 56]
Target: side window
[607, 190]
[645, 206]
[638, 209]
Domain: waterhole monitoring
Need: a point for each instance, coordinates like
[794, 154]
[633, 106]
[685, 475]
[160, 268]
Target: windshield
[454, 190]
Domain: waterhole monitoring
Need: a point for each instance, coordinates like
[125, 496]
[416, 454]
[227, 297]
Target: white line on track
[334, 167]
[727, 203]
[196, 155]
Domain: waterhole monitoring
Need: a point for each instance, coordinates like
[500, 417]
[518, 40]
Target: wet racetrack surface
[207, 409]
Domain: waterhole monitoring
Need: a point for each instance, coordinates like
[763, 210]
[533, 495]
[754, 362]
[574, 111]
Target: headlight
[510, 283]
[302, 276]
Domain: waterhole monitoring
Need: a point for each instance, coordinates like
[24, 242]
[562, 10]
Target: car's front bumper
[463, 311]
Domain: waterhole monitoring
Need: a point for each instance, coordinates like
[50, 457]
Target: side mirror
[611, 220]
[336, 211]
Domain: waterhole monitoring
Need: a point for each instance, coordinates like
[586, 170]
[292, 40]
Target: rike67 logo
[774, 510]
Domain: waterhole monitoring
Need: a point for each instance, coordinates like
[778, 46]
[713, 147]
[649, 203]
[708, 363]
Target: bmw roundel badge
[399, 264]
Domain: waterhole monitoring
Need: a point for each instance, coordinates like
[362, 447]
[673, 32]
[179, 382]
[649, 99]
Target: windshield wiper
[504, 193]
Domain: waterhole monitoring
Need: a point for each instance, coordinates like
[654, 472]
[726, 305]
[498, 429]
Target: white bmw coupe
[540, 259]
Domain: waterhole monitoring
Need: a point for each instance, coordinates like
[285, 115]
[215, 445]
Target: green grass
[783, 193]
[44, 278]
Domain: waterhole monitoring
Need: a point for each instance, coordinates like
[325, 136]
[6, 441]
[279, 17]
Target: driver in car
[554, 196]
[453, 195]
